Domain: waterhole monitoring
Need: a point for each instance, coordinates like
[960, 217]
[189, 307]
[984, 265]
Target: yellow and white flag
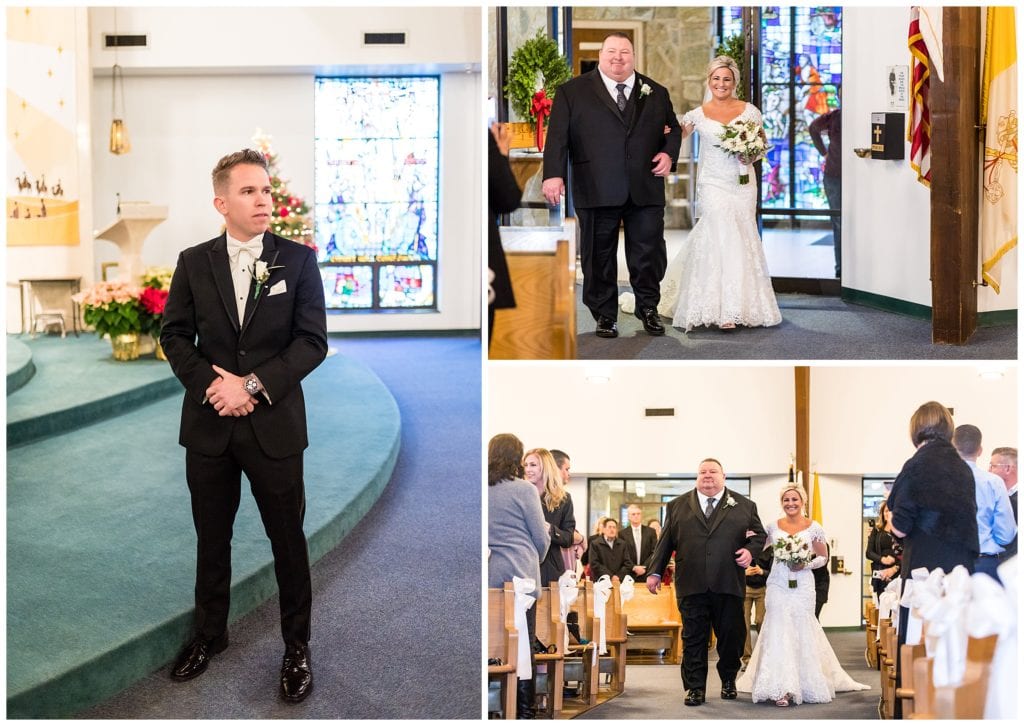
[816, 500]
[999, 169]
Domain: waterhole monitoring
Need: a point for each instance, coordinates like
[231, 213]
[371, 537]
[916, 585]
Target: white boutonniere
[645, 90]
[729, 501]
[260, 274]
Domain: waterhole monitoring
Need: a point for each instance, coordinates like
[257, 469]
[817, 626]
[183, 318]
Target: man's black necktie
[620, 100]
[710, 509]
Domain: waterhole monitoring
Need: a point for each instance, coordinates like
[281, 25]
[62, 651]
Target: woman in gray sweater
[517, 534]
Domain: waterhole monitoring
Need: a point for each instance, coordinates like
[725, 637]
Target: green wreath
[537, 54]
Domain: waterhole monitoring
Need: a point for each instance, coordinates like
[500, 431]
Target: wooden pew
[542, 326]
[871, 634]
[906, 691]
[503, 644]
[551, 631]
[887, 663]
[578, 662]
[967, 700]
[616, 640]
[653, 622]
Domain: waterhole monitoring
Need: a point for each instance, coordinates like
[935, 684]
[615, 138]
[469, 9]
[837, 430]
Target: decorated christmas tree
[290, 216]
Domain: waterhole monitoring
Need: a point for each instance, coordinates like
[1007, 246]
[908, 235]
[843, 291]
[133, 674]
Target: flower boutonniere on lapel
[645, 90]
[260, 274]
[729, 501]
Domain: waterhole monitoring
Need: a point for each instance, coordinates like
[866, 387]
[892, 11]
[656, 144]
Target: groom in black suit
[243, 325]
[610, 125]
[715, 534]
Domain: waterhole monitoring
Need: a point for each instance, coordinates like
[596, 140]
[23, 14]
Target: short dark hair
[222, 171]
[560, 456]
[504, 458]
[967, 439]
[930, 421]
[617, 34]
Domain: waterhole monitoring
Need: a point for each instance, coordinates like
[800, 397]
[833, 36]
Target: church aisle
[656, 692]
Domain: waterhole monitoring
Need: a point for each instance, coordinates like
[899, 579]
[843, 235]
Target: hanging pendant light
[119, 143]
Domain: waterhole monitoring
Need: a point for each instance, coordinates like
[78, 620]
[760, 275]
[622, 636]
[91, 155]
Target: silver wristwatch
[251, 384]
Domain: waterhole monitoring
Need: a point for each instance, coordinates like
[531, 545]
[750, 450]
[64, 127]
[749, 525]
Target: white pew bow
[523, 586]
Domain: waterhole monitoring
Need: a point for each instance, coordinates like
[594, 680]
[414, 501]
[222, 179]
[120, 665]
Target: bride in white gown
[792, 661]
[720, 276]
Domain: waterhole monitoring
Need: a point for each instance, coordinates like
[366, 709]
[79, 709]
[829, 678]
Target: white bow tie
[235, 248]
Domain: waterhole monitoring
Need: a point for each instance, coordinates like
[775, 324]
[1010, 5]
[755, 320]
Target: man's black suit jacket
[614, 561]
[648, 541]
[610, 156]
[705, 550]
[282, 338]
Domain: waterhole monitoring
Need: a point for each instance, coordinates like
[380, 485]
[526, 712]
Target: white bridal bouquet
[792, 550]
[744, 138]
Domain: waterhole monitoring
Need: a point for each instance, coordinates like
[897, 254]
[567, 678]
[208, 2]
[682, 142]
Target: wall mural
[42, 157]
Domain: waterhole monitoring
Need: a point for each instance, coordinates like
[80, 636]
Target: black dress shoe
[729, 690]
[606, 327]
[296, 674]
[193, 660]
[694, 697]
[651, 320]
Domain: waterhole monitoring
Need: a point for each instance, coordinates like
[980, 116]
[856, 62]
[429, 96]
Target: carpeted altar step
[20, 367]
[77, 382]
[101, 546]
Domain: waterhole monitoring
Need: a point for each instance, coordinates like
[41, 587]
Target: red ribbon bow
[540, 109]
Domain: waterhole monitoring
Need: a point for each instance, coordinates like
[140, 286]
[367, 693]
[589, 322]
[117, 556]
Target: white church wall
[886, 211]
[62, 261]
[186, 110]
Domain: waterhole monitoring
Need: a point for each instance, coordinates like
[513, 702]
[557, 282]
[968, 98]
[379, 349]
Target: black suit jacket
[614, 561]
[281, 339]
[503, 195]
[705, 550]
[610, 156]
[648, 541]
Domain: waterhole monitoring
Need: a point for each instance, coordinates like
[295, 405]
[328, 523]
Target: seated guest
[609, 555]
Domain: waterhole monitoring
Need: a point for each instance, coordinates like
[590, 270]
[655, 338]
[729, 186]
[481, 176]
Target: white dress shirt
[637, 539]
[241, 269]
[704, 499]
[610, 85]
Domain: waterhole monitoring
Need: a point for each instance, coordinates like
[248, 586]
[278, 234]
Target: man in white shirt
[640, 539]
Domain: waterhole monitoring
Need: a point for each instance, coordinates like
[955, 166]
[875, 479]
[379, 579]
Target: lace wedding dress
[792, 655]
[720, 275]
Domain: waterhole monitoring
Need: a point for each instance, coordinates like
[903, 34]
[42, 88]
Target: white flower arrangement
[792, 550]
[260, 272]
[729, 501]
[645, 90]
[744, 138]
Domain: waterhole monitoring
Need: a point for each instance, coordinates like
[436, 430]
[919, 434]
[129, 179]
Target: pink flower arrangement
[102, 294]
[112, 308]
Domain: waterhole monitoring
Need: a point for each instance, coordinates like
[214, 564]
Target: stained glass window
[376, 191]
[801, 73]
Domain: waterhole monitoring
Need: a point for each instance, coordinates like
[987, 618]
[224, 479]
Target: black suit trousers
[646, 258]
[701, 613]
[277, 486]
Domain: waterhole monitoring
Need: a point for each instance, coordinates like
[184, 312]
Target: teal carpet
[100, 541]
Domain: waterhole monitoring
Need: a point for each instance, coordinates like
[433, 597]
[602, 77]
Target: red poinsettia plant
[156, 281]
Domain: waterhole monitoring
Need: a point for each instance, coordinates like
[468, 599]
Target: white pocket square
[277, 288]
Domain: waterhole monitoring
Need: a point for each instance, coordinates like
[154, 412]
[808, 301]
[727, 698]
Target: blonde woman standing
[541, 470]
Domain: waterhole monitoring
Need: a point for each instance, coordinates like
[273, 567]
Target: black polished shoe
[296, 674]
[694, 697]
[606, 327]
[194, 659]
[651, 320]
[729, 690]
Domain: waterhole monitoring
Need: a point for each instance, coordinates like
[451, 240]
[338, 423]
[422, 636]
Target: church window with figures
[800, 64]
[377, 147]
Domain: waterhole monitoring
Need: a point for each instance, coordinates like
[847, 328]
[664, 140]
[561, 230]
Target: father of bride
[610, 125]
[715, 534]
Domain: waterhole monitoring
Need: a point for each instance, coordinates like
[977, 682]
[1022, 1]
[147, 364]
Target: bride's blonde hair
[724, 61]
[792, 487]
